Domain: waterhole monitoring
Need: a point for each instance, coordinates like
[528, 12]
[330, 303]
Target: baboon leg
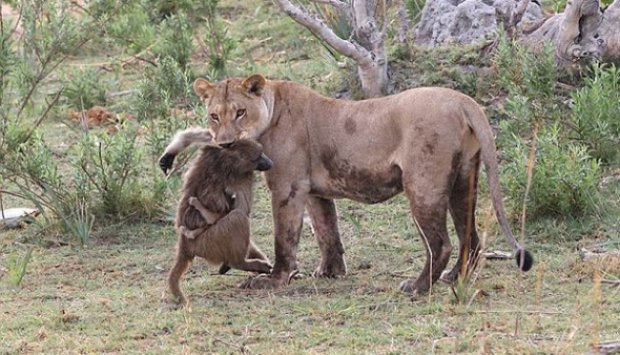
[253, 253]
[209, 217]
[254, 265]
[181, 264]
[429, 207]
[325, 223]
[462, 209]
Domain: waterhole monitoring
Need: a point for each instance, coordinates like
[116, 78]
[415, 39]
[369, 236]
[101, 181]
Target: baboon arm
[182, 140]
[185, 138]
[209, 216]
[232, 224]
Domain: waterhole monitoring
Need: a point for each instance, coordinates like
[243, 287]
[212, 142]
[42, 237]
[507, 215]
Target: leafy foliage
[565, 174]
[596, 113]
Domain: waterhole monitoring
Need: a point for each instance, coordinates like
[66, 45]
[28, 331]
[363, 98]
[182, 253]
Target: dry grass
[108, 299]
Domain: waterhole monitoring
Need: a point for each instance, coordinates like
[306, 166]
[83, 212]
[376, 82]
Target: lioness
[427, 142]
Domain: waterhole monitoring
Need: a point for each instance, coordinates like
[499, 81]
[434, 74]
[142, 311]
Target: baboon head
[244, 156]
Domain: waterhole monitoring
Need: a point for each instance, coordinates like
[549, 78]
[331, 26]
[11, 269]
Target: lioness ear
[254, 84]
[203, 88]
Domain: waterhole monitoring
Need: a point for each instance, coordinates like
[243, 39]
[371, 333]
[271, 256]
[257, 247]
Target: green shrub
[565, 177]
[17, 267]
[161, 88]
[174, 40]
[84, 88]
[596, 113]
[112, 170]
[219, 44]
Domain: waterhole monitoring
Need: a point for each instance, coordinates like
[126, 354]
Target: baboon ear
[203, 88]
[254, 84]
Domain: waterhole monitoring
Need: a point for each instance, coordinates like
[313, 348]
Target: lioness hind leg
[325, 223]
[429, 216]
[462, 209]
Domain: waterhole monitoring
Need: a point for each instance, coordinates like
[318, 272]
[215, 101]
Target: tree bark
[574, 33]
[368, 51]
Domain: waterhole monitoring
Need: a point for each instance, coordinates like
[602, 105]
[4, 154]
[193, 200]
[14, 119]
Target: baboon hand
[165, 162]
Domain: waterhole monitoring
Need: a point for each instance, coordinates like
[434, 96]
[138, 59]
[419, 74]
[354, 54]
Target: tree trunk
[579, 33]
[372, 72]
[368, 49]
[574, 32]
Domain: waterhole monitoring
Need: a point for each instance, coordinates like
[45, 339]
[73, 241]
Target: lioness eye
[240, 113]
[214, 117]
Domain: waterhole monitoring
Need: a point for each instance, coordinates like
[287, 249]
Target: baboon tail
[479, 124]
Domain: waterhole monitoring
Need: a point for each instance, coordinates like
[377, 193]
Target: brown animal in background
[217, 189]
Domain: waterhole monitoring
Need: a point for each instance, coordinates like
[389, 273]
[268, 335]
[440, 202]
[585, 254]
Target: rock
[466, 21]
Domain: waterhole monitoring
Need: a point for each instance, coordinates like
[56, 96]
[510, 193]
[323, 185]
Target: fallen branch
[611, 282]
[609, 347]
[497, 255]
[586, 254]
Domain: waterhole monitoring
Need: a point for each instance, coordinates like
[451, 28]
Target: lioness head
[236, 107]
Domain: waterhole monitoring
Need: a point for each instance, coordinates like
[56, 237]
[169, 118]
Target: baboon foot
[179, 302]
[224, 269]
[332, 267]
[188, 233]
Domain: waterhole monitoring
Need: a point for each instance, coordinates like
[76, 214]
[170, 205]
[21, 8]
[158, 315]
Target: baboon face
[248, 156]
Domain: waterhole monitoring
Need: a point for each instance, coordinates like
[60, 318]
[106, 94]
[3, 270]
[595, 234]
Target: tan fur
[219, 183]
[427, 142]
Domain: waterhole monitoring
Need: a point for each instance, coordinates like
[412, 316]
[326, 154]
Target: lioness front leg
[288, 211]
[325, 223]
[209, 217]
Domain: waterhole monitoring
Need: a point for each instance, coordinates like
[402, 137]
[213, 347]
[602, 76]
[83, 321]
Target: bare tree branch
[320, 29]
[340, 5]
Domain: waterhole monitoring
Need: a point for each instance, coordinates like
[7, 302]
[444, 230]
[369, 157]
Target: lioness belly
[341, 180]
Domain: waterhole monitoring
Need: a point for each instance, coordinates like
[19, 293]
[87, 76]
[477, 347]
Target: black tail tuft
[528, 260]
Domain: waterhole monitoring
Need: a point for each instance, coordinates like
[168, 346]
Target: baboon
[213, 213]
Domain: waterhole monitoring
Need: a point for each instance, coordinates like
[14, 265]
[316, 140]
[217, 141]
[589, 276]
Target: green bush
[596, 113]
[84, 88]
[174, 40]
[565, 177]
[161, 88]
[219, 44]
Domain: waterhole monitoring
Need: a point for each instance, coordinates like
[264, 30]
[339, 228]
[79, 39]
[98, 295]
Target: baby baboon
[213, 215]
